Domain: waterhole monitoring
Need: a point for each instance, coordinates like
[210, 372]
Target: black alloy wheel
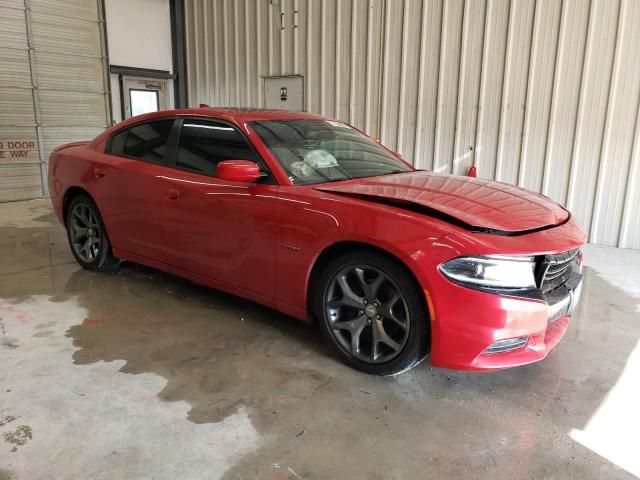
[87, 236]
[372, 312]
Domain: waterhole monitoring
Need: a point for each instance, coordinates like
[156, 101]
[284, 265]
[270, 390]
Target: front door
[220, 229]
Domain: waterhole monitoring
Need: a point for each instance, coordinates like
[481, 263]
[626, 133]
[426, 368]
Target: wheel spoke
[375, 340]
[363, 282]
[398, 322]
[86, 248]
[339, 303]
[85, 216]
[380, 336]
[349, 297]
[77, 232]
[355, 338]
[370, 289]
[354, 327]
[376, 284]
[386, 339]
[350, 325]
[80, 219]
[386, 310]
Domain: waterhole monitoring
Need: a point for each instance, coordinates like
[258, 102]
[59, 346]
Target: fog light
[507, 345]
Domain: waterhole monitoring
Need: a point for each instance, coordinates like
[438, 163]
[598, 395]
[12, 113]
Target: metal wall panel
[18, 182]
[17, 68]
[569, 61]
[54, 33]
[52, 86]
[620, 129]
[72, 73]
[78, 9]
[592, 108]
[540, 93]
[13, 30]
[496, 32]
[16, 107]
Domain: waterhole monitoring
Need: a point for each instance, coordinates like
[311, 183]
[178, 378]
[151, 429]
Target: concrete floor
[139, 374]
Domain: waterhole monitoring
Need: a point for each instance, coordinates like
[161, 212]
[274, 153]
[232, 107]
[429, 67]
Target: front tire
[372, 312]
[87, 235]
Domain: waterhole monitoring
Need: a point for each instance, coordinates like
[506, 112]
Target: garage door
[52, 86]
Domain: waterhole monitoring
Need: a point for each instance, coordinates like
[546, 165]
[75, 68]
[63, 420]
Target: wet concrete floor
[139, 374]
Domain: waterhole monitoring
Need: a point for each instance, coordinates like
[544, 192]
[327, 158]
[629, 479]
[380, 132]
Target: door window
[143, 95]
[143, 101]
[116, 145]
[203, 144]
[148, 141]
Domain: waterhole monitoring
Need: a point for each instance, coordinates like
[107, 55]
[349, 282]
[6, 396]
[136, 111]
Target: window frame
[171, 147]
[173, 142]
[266, 178]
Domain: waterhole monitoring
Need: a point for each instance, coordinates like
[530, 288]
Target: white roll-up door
[52, 86]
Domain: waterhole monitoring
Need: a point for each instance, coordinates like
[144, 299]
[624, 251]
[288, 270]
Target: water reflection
[219, 354]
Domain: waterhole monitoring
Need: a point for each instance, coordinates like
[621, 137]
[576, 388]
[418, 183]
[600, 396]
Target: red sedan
[311, 217]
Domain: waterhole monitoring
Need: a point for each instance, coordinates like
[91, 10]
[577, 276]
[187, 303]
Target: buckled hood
[472, 203]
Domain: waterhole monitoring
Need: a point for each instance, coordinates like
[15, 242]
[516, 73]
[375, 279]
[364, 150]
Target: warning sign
[16, 149]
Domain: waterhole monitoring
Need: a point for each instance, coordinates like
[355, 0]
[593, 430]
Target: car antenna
[204, 105]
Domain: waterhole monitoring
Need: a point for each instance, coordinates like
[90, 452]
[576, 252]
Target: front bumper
[465, 328]
[560, 305]
[465, 322]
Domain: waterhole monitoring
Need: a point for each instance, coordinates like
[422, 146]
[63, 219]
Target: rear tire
[87, 235]
[372, 312]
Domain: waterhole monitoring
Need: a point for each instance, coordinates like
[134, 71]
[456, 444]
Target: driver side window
[203, 144]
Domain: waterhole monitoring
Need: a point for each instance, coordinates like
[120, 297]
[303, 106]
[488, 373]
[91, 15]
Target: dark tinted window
[117, 142]
[203, 144]
[148, 140]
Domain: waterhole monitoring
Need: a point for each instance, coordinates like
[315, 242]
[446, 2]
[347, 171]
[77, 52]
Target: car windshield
[318, 151]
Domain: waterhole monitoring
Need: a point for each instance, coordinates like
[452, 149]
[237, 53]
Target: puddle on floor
[231, 367]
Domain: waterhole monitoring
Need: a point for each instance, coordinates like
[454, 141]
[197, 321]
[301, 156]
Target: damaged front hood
[472, 203]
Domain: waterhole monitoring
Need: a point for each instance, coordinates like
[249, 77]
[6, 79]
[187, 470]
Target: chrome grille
[556, 269]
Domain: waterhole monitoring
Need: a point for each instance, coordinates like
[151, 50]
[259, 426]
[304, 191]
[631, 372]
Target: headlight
[494, 272]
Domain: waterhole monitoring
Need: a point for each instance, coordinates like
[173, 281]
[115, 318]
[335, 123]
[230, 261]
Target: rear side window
[116, 147]
[203, 144]
[148, 141]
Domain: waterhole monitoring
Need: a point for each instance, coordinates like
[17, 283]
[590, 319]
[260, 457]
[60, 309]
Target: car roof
[235, 115]
[232, 114]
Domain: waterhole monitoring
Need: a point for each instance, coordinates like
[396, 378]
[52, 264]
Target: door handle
[99, 173]
[172, 194]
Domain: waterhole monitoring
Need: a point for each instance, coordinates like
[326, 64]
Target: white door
[143, 95]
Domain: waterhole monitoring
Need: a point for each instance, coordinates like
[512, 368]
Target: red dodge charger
[311, 217]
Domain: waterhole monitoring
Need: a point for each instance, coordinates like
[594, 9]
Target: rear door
[221, 229]
[131, 190]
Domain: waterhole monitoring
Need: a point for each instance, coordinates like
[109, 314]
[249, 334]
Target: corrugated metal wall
[543, 94]
[52, 86]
